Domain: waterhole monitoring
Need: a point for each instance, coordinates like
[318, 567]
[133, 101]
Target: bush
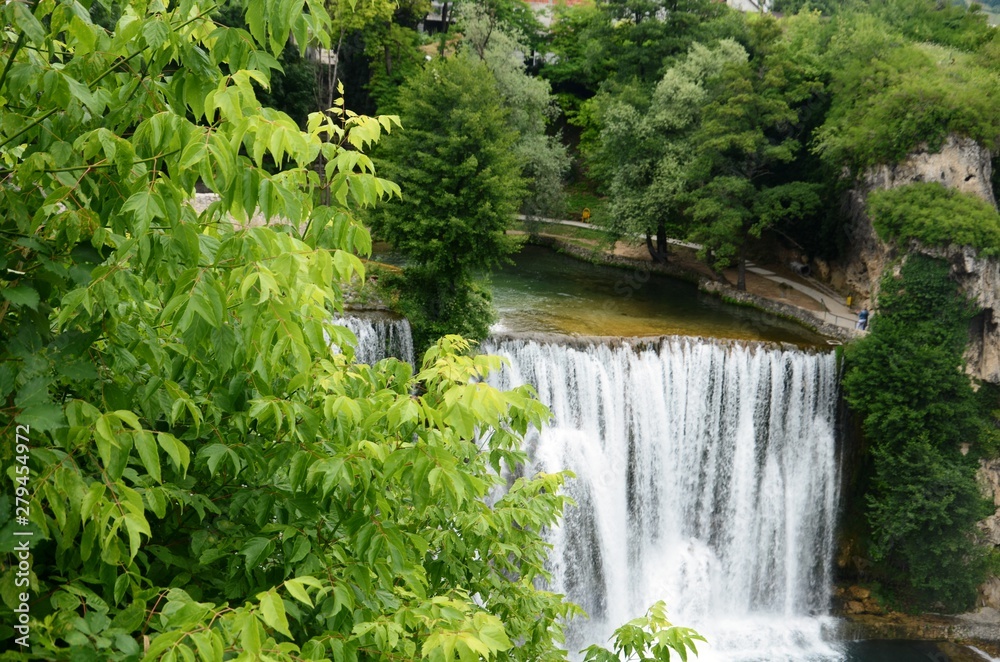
[893, 97]
[437, 307]
[918, 408]
[936, 216]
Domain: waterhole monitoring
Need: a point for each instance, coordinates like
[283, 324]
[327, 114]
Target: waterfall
[379, 336]
[706, 476]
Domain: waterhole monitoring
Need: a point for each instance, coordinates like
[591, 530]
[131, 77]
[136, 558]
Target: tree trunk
[741, 278]
[658, 252]
[661, 240]
[388, 61]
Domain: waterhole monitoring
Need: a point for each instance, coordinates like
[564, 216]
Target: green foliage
[529, 102]
[576, 71]
[435, 306]
[891, 97]
[750, 126]
[460, 179]
[618, 43]
[946, 23]
[462, 185]
[905, 379]
[936, 216]
[206, 479]
[645, 151]
[292, 87]
[395, 57]
[826, 7]
[649, 638]
[640, 36]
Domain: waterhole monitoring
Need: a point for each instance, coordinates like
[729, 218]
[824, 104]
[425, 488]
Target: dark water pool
[909, 651]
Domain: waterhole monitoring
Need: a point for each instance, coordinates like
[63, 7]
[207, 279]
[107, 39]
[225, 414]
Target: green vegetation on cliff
[935, 215]
[926, 432]
[891, 97]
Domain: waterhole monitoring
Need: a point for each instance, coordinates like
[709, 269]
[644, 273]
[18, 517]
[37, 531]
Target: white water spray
[379, 336]
[707, 477]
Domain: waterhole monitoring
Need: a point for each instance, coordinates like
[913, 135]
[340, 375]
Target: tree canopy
[205, 477]
[462, 185]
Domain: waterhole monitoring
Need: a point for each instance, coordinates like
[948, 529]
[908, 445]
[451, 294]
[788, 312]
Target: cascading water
[379, 336]
[706, 476]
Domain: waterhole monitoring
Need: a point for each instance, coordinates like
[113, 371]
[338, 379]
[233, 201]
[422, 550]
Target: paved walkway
[834, 310]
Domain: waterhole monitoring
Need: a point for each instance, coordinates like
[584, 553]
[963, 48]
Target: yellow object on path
[585, 214]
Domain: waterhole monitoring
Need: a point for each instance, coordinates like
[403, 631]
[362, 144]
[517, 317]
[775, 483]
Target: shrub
[894, 97]
[936, 216]
[918, 408]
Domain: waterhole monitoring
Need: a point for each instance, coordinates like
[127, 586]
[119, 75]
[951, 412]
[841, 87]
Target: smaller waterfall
[379, 336]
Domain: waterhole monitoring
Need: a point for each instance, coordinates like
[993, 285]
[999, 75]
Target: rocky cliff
[960, 164]
[989, 475]
[964, 165]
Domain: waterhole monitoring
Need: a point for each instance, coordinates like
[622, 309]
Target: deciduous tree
[750, 126]
[204, 478]
[646, 151]
[462, 185]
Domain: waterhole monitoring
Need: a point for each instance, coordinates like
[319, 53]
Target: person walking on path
[862, 320]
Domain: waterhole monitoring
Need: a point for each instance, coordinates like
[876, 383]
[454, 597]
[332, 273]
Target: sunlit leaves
[649, 638]
[190, 426]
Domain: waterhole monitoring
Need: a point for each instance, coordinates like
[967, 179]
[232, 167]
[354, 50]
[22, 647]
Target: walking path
[834, 311]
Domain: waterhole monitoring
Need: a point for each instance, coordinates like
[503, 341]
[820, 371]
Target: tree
[292, 84]
[462, 185]
[348, 18]
[750, 126]
[617, 43]
[643, 35]
[529, 102]
[645, 151]
[201, 474]
[890, 96]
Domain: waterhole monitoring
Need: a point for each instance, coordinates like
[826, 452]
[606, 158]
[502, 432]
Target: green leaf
[256, 550]
[147, 206]
[149, 454]
[129, 419]
[273, 610]
[42, 417]
[135, 524]
[178, 452]
[27, 22]
[22, 295]
[121, 585]
[297, 590]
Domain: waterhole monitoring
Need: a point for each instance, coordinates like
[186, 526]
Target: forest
[198, 477]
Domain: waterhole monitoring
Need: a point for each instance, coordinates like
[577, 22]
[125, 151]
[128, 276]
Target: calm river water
[544, 291]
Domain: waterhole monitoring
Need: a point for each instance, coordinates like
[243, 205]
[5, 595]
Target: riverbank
[978, 629]
[762, 293]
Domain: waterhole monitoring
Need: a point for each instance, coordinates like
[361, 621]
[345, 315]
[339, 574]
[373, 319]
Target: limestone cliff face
[989, 476]
[964, 165]
[960, 164]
